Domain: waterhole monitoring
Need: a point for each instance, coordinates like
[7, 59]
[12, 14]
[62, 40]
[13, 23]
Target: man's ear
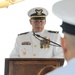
[30, 21]
[63, 44]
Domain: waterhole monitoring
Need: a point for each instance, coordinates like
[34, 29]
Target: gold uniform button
[45, 36]
[34, 45]
[34, 54]
[24, 53]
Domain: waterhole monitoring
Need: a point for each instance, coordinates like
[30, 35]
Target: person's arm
[58, 52]
[15, 51]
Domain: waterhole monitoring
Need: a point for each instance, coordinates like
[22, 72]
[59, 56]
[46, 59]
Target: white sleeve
[15, 51]
[58, 51]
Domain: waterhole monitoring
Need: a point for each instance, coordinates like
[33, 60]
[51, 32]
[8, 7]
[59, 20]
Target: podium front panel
[29, 66]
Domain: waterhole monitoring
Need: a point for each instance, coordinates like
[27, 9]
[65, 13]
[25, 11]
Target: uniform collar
[39, 33]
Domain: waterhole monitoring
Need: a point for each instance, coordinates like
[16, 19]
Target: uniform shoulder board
[53, 31]
[23, 33]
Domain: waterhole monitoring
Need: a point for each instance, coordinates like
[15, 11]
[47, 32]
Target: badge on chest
[45, 44]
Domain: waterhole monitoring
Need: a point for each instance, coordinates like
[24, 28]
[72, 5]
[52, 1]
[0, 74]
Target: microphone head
[33, 33]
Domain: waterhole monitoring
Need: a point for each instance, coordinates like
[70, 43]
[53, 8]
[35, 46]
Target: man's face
[37, 25]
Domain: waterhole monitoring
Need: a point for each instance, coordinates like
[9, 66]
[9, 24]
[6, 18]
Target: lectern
[29, 66]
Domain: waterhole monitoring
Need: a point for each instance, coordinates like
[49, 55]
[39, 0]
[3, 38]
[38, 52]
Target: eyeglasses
[38, 20]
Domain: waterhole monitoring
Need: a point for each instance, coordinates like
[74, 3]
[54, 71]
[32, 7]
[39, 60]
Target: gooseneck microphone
[55, 44]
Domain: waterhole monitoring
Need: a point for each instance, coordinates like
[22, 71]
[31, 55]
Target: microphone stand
[46, 39]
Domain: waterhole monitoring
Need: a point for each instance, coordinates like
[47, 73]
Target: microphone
[46, 39]
[33, 33]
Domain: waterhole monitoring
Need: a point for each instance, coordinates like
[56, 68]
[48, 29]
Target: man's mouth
[37, 27]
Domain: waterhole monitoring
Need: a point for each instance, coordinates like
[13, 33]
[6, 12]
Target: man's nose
[38, 21]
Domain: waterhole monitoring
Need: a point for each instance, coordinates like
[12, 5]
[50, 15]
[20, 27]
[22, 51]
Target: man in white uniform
[39, 43]
[65, 10]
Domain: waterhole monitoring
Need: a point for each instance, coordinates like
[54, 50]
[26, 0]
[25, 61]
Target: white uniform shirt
[33, 50]
[69, 69]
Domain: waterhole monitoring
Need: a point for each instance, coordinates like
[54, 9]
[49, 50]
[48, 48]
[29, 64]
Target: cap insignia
[38, 12]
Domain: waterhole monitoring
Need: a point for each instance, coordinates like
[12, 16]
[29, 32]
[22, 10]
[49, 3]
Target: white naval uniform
[33, 49]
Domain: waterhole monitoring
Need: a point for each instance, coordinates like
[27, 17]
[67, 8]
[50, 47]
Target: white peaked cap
[32, 11]
[65, 9]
